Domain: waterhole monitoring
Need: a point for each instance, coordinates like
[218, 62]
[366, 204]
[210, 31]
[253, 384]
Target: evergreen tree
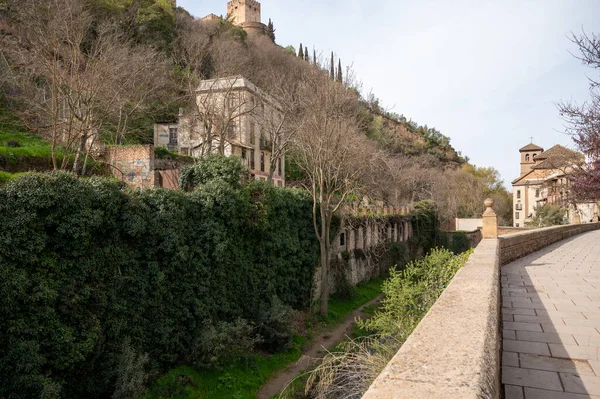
[332, 68]
[339, 73]
[306, 58]
[314, 56]
[271, 31]
[301, 52]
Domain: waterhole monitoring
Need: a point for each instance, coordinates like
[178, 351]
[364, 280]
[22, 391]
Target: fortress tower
[246, 14]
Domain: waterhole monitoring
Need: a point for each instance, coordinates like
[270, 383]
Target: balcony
[519, 207]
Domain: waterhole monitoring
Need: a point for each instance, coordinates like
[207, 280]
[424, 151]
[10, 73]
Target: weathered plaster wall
[132, 164]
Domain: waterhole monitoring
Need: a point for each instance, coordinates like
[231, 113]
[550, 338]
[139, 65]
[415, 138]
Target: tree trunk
[324, 242]
[78, 164]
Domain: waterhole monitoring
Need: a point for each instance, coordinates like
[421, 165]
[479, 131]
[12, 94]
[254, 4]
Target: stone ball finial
[489, 202]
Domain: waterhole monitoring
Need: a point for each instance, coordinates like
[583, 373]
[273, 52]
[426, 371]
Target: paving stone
[511, 359]
[523, 326]
[583, 384]
[550, 338]
[509, 334]
[569, 329]
[574, 352]
[525, 312]
[586, 340]
[531, 378]
[554, 364]
[539, 319]
[582, 322]
[558, 313]
[533, 393]
[513, 392]
[536, 348]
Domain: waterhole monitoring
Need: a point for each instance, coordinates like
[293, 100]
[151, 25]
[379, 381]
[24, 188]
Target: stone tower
[528, 155]
[246, 14]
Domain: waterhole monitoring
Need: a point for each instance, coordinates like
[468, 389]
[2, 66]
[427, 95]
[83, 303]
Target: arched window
[534, 155]
[527, 157]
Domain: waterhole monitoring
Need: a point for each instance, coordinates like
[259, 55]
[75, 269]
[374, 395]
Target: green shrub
[212, 167]
[274, 326]
[86, 265]
[409, 293]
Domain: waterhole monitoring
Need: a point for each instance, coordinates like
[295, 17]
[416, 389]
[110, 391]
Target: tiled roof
[531, 147]
[558, 157]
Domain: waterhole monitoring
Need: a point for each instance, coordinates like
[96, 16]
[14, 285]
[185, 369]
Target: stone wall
[506, 230]
[455, 350]
[132, 164]
[519, 245]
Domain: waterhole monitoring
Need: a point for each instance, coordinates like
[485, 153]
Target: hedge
[102, 285]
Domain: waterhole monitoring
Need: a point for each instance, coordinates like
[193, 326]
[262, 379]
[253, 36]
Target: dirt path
[311, 355]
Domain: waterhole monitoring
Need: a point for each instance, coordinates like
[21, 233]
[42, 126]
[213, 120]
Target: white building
[545, 179]
[232, 117]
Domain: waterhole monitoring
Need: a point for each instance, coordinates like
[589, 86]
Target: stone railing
[519, 245]
[455, 350]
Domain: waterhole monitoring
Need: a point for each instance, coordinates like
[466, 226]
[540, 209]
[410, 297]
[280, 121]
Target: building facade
[546, 179]
[231, 116]
[247, 15]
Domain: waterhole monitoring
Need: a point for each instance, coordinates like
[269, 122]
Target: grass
[243, 379]
[5, 177]
[240, 380]
[339, 308]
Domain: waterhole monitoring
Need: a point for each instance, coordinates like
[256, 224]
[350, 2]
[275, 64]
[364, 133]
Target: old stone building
[243, 13]
[232, 116]
[546, 179]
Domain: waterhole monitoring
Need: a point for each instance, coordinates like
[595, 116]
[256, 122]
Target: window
[534, 155]
[173, 136]
[342, 239]
[517, 215]
[527, 158]
[279, 167]
[279, 183]
[517, 225]
[252, 134]
[252, 162]
[243, 153]
[518, 194]
[262, 161]
[537, 193]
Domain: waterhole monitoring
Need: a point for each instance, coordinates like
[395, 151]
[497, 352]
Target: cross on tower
[531, 139]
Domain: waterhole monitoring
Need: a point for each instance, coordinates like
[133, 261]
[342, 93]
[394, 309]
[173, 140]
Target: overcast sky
[486, 73]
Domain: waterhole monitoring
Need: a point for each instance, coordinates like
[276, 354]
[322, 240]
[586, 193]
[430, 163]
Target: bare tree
[73, 80]
[584, 121]
[328, 150]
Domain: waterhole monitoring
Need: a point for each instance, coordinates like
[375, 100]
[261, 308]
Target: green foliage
[240, 379]
[455, 241]
[398, 255]
[426, 226]
[213, 167]
[291, 50]
[408, 294]
[548, 215]
[271, 31]
[86, 266]
[274, 325]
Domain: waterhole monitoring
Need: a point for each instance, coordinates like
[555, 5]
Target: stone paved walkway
[551, 322]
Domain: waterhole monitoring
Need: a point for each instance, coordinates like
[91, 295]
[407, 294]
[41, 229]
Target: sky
[486, 73]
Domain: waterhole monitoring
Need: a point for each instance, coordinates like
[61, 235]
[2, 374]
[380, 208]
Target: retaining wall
[455, 350]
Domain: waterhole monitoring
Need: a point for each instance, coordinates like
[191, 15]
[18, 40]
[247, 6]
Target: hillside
[166, 52]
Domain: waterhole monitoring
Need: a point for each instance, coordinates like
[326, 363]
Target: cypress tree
[271, 31]
[306, 58]
[332, 68]
[339, 74]
[301, 52]
[314, 56]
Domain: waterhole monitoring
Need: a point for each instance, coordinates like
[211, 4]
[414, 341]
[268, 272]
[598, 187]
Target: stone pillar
[368, 236]
[396, 232]
[351, 240]
[360, 238]
[389, 231]
[576, 218]
[490, 221]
